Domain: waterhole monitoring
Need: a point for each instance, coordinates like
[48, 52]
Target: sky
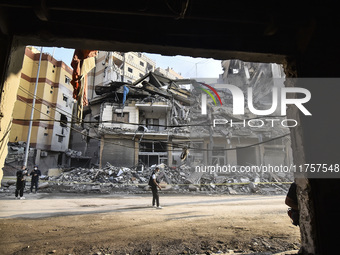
[188, 67]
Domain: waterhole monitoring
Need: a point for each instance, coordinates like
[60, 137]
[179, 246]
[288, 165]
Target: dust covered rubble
[180, 179]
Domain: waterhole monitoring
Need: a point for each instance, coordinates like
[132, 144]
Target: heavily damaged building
[300, 37]
[118, 66]
[248, 139]
[155, 120]
[136, 123]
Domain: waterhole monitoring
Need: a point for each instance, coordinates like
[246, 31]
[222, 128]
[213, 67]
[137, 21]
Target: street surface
[127, 224]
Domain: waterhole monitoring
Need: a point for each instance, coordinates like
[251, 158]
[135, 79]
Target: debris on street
[179, 179]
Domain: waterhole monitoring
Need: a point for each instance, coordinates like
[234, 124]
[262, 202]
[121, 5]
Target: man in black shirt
[21, 182]
[35, 174]
[154, 184]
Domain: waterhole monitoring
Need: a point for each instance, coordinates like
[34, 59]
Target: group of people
[21, 181]
[36, 173]
[291, 198]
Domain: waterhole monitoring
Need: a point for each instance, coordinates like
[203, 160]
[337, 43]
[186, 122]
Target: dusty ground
[127, 224]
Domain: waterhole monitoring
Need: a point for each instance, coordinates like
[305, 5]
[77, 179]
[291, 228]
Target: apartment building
[52, 112]
[112, 66]
[169, 73]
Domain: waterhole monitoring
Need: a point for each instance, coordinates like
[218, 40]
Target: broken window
[120, 117]
[146, 147]
[67, 79]
[149, 160]
[218, 156]
[152, 124]
[151, 153]
[63, 120]
[60, 138]
[65, 99]
[157, 146]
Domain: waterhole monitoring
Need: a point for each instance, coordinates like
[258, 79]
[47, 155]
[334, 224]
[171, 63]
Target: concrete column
[136, 151]
[102, 143]
[169, 152]
[316, 140]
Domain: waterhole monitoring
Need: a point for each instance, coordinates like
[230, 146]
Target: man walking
[35, 174]
[21, 182]
[154, 184]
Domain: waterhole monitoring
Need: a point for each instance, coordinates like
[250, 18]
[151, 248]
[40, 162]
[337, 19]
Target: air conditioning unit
[43, 154]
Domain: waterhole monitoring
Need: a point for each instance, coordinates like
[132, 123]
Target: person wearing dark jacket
[35, 174]
[21, 182]
[154, 184]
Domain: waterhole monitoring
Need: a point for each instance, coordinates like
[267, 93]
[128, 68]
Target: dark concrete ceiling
[219, 29]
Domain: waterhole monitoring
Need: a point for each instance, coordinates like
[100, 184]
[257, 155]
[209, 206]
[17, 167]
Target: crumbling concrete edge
[304, 192]
[9, 95]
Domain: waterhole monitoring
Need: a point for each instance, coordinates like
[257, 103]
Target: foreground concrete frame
[315, 141]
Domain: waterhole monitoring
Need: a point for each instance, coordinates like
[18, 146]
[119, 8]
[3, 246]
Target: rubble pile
[113, 178]
[247, 183]
[179, 179]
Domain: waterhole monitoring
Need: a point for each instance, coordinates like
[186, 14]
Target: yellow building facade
[52, 111]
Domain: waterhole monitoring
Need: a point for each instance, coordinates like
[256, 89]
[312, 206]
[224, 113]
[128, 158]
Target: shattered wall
[50, 161]
[87, 144]
[109, 111]
[117, 151]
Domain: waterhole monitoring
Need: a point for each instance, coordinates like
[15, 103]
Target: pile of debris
[180, 179]
[113, 178]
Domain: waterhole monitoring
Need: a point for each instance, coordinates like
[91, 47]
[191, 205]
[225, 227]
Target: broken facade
[152, 120]
[134, 120]
[230, 140]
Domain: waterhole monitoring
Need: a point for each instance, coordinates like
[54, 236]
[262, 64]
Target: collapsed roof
[185, 104]
[150, 84]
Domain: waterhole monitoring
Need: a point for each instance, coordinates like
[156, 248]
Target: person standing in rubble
[35, 175]
[154, 185]
[21, 182]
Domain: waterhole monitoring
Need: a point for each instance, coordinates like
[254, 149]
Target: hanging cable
[179, 147]
[174, 145]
